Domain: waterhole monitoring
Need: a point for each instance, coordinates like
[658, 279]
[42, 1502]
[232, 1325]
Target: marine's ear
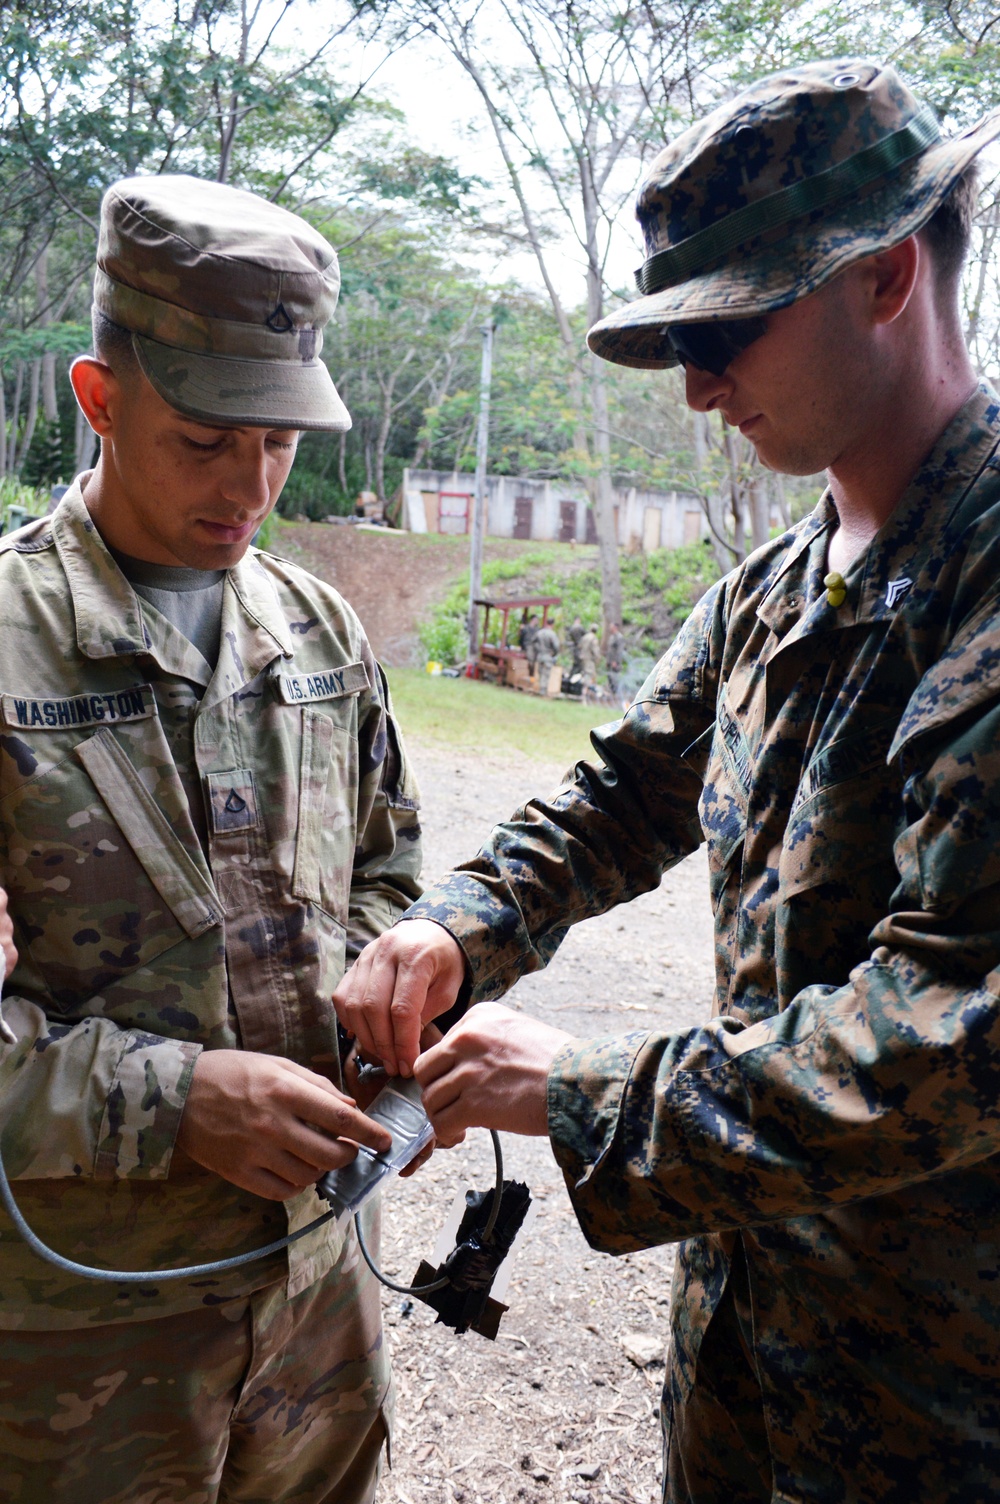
[890, 277]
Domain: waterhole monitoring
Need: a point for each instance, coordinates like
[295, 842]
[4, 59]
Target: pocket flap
[187, 891]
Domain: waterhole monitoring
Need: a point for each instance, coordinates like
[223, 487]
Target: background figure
[528, 641]
[547, 649]
[590, 661]
[615, 658]
[574, 637]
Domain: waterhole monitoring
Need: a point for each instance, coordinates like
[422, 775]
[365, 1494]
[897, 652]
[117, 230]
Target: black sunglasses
[710, 347]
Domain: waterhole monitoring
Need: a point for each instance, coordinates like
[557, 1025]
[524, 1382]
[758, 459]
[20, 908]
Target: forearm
[848, 1094]
[89, 1099]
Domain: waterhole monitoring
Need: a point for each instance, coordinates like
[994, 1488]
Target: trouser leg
[263, 1400]
[135, 1413]
[314, 1412]
[715, 1437]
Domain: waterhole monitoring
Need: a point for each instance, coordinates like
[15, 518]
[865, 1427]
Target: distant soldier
[590, 657]
[547, 644]
[575, 637]
[615, 658]
[528, 639]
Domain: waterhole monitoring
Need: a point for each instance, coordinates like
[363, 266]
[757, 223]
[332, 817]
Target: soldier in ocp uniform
[205, 811]
[828, 722]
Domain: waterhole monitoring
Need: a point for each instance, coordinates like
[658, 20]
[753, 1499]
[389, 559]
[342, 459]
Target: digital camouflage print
[260, 1400]
[828, 1144]
[776, 191]
[190, 858]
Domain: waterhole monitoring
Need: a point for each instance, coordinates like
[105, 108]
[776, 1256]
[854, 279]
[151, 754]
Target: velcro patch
[232, 799]
[135, 704]
[324, 684]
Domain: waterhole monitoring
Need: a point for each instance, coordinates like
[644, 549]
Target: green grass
[476, 717]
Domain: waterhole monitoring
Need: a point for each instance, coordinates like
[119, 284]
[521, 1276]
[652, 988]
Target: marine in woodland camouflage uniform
[827, 1146]
[191, 854]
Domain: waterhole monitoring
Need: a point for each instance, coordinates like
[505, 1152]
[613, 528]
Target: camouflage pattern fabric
[190, 858]
[227, 296]
[255, 1401]
[775, 192]
[836, 1125]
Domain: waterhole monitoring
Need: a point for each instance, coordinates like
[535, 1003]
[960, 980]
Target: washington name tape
[134, 704]
[324, 684]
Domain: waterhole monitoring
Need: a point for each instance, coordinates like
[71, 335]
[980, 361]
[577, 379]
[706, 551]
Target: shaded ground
[554, 1410]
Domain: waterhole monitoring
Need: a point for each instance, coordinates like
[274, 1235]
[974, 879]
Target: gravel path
[555, 1410]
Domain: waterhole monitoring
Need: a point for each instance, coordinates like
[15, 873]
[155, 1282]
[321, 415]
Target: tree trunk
[737, 499]
[760, 510]
[50, 409]
[604, 499]
[15, 415]
[342, 463]
[3, 426]
[784, 510]
[31, 417]
[85, 444]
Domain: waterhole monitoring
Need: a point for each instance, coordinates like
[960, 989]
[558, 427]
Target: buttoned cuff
[586, 1089]
[489, 930]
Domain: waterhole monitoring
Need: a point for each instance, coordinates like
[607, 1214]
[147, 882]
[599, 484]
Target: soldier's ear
[97, 390]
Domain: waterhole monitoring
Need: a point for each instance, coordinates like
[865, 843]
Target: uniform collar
[109, 619]
[901, 558]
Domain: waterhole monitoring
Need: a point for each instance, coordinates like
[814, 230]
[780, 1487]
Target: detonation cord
[219, 1266]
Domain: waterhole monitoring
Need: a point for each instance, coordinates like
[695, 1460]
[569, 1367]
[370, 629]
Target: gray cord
[141, 1276]
[437, 1284]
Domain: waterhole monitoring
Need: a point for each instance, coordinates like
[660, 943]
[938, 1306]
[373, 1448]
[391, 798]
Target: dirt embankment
[392, 579]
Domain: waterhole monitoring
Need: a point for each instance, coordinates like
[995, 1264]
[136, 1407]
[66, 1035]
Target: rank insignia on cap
[896, 589]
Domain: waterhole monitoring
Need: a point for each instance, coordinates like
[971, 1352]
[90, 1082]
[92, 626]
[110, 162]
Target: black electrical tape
[438, 1284]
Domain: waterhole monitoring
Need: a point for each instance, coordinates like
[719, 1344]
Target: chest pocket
[328, 816]
[845, 819]
[723, 805]
[100, 881]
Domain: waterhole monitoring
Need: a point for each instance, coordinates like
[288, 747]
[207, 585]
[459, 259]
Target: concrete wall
[646, 519]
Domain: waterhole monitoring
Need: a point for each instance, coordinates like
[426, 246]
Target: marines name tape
[134, 704]
[324, 684]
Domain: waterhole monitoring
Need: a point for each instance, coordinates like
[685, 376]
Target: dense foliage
[283, 98]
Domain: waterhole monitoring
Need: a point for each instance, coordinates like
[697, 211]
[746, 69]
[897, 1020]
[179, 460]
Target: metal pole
[479, 504]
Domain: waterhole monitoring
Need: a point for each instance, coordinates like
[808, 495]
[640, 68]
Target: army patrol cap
[778, 190]
[226, 296]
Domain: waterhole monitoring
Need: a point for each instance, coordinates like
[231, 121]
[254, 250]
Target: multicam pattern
[227, 296]
[262, 1400]
[183, 880]
[787, 129]
[837, 1123]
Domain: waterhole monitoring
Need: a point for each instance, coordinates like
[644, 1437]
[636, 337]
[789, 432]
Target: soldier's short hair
[113, 344]
[948, 232]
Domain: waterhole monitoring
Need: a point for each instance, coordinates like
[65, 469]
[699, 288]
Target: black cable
[438, 1284]
[141, 1276]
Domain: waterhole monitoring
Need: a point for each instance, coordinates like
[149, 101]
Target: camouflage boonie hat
[777, 191]
[226, 296]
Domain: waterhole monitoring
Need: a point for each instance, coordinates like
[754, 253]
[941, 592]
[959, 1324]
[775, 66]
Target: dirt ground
[555, 1410]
